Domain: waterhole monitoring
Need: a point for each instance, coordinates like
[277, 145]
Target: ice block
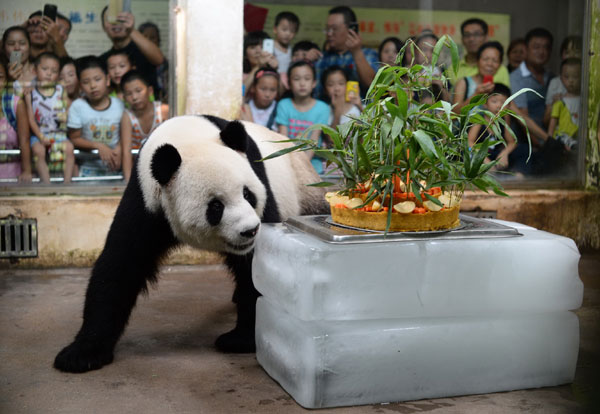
[336, 363]
[315, 280]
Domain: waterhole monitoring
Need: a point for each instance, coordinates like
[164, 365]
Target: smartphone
[488, 79]
[50, 11]
[353, 26]
[127, 6]
[268, 45]
[15, 57]
[114, 8]
[351, 90]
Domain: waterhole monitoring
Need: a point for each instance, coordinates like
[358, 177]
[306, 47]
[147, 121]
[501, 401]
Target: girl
[141, 118]
[334, 83]
[263, 92]
[21, 72]
[255, 57]
[296, 114]
[489, 59]
[117, 64]
[14, 132]
[388, 50]
[68, 78]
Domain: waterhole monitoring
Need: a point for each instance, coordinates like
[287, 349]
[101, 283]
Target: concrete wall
[72, 229]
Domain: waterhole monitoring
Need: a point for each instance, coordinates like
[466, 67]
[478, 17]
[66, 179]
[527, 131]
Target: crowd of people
[53, 104]
[297, 84]
[103, 106]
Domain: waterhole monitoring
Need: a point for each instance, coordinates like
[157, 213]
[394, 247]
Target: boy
[94, 120]
[501, 150]
[564, 121]
[286, 27]
[47, 114]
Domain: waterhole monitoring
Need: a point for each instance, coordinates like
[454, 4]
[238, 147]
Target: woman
[489, 59]
[388, 50]
[21, 72]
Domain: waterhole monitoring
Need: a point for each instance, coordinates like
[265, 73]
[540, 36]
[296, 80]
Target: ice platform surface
[415, 276]
[337, 363]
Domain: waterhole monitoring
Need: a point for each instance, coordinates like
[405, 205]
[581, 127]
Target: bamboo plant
[396, 136]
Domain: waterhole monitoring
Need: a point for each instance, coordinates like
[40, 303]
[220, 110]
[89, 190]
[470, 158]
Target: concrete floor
[166, 362]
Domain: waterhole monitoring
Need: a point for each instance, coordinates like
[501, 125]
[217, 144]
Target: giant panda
[197, 181]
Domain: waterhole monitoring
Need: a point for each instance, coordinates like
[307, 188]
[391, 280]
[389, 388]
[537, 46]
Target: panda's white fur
[206, 172]
[187, 164]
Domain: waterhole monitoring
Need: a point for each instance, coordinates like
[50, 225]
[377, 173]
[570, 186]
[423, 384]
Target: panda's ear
[165, 162]
[234, 135]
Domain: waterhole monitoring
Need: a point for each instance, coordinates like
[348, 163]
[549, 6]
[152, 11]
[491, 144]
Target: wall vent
[18, 237]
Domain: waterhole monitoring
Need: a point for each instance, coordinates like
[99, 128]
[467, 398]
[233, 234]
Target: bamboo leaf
[321, 184]
[425, 143]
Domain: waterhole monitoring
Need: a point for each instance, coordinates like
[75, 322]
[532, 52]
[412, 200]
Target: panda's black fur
[139, 239]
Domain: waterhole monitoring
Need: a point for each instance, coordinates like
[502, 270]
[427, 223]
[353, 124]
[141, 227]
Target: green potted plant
[401, 151]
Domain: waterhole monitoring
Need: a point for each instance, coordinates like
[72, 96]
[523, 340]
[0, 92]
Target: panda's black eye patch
[214, 212]
[250, 197]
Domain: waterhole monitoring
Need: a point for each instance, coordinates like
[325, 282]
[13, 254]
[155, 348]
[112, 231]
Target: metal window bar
[116, 177]
[18, 237]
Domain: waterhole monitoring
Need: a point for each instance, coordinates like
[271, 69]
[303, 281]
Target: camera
[268, 45]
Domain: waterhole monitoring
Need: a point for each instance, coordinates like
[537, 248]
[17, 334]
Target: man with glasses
[474, 33]
[344, 48]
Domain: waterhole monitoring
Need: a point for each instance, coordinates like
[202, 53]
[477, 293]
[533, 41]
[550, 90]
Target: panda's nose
[250, 233]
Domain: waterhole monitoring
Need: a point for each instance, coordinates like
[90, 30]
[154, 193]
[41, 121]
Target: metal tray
[325, 229]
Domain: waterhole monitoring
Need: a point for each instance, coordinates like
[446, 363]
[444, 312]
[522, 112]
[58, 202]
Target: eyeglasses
[331, 29]
[467, 35]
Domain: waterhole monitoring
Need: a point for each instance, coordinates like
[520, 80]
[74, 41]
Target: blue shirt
[522, 78]
[297, 122]
[345, 60]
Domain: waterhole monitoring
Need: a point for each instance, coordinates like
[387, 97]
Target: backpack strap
[271, 120]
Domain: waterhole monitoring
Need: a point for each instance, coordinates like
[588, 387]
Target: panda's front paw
[236, 341]
[79, 357]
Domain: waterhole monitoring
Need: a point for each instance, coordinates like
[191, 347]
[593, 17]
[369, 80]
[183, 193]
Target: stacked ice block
[347, 324]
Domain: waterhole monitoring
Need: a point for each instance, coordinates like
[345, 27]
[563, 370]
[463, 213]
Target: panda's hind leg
[241, 338]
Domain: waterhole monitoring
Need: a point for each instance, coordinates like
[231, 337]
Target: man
[46, 35]
[532, 73]
[143, 53]
[474, 34]
[344, 48]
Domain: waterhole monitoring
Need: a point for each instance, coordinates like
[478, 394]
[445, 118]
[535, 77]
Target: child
[47, 113]
[138, 122]
[286, 27]
[94, 120]
[570, 48]
[299, 112]
[68, 78]
[14, 132]
[389, 49]
[334, 84]
[564, 121]
[499, 151]
[302, 51]
[263, 98]
[117, 64]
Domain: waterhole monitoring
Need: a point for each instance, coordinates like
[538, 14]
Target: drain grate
[18, 237]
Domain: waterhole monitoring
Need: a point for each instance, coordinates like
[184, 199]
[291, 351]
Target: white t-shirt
[555, 87]
[283, 58]
[352, 113]
[99, 126]
[261, 116]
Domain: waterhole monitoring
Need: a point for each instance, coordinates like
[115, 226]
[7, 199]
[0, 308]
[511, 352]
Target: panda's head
[200, 178]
